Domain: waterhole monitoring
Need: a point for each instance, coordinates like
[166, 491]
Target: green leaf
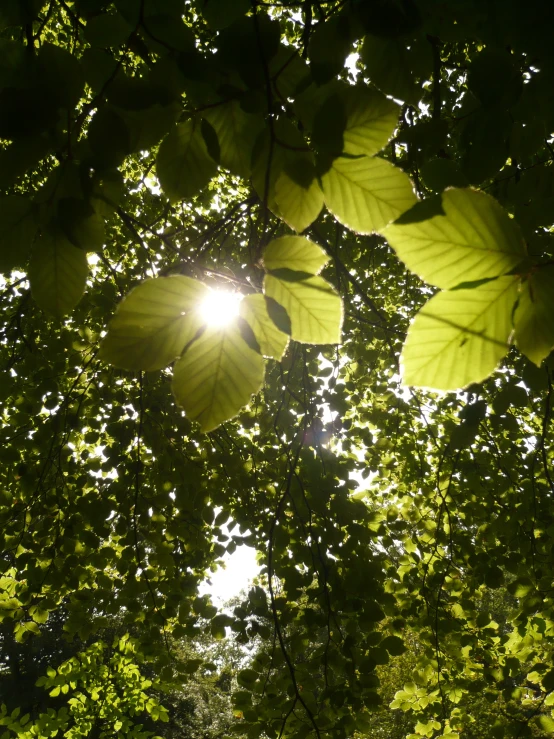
[17, 231]
[58, 273]
[107, 29]
[287, 151]
[475, 239]
[438, 174]
[147, 126]
[183, 164]
[389, 68]
[154, 323]
[366, 194]
[61, 75]
[82, 226]
[370, 120]
[394, 645]
[484, 144]
[296, 253]
[547, 723]
[248, 45]
[217, 375]
[271, 340]
[355, 120]
[221, 13]
[459, 336]
[236, 132]
[313, 306]
[330, 43]
[534, 315]
[108, 138]
[299, 204]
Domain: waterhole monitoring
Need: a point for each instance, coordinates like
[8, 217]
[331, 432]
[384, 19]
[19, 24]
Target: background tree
[375, 180]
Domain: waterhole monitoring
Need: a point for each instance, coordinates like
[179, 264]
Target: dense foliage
[376, 179]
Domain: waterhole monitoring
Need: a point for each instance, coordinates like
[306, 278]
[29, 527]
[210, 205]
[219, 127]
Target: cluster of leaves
[152, 151]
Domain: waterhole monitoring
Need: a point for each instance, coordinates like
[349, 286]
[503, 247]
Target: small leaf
[271, 340]
[58, 273]
[313, 305]
[17, 231]
[236, 132]
[296, 253]
[370, 120]
[394, 645]
[154, 322]
[366, 194]
[298, 205]
[459, 336]
[216, 376]
[183, 164]
[475, 239]
[534, 315]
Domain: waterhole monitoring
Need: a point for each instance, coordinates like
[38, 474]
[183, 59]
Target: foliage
[322, 159]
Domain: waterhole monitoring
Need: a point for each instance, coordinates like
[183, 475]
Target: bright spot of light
[220, 307]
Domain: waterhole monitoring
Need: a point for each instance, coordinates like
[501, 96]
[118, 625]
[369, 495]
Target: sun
[220, 307]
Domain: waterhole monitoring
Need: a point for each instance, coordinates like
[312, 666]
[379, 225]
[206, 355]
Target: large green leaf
[296, 253]
[366, 194]
[534, 315]
[58, 273]
[154, 323]
[217, 375]
[183, 164]
[475, 239]
[236, 132]
[271, 340]
[17, 231]
[370, 120]
[459, 336]
[312, 304]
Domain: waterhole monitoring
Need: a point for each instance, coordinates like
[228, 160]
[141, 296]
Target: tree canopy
[282, 274]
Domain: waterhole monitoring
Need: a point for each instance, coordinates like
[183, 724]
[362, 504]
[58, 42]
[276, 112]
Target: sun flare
[220, 307]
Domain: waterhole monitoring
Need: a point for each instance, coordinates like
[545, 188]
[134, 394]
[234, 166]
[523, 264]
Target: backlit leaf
[313, 305]
[459, 336]
[154, 322]
[183, 164]
[298, 205]
[366, 194]
[236, 132]
[58, 273]
[217, 375]
[296, 253]
[534, 315]
[475, 239]
[272, 341]
[370, 120]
